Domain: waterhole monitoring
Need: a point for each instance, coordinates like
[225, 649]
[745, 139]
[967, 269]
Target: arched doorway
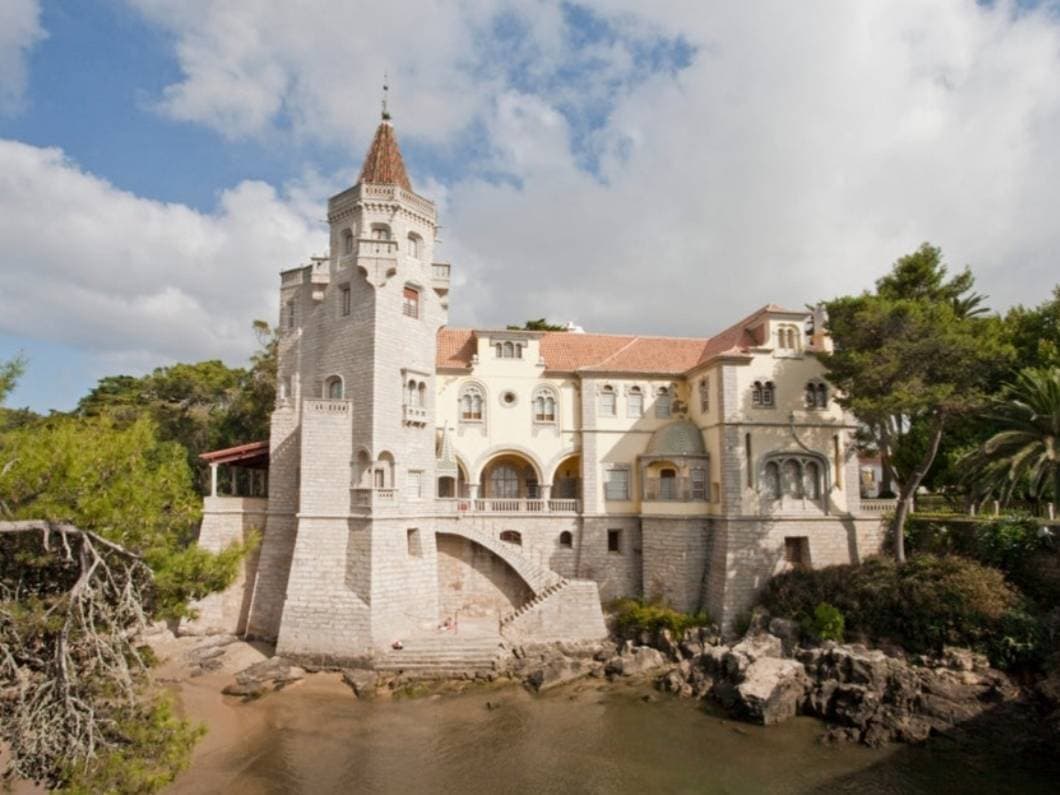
[452, 487]
[567, 479]
[510, 476]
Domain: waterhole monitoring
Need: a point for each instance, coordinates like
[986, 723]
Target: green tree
[541, 324]
[916, 353]
[10, 372]
[1035, 334]
[1023, 455]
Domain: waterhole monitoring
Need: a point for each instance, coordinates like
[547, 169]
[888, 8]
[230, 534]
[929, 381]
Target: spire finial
[386, 89]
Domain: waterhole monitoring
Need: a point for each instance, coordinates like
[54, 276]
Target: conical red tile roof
[383, 164]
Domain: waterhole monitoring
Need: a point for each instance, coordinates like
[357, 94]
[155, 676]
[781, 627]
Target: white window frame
[609, 495]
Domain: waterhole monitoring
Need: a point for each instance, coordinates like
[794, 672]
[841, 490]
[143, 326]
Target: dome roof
[681, 437]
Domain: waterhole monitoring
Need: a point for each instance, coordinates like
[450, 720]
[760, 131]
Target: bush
[827, 623]
[633, 616]
[925, 604]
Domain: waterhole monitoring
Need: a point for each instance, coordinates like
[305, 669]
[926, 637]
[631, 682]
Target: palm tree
[1024, 455]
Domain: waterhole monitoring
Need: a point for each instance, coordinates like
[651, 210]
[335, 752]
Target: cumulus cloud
[133, 280]
[20, 29]
[670, 171]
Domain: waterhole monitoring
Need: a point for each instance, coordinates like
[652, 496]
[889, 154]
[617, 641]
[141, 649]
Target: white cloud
[134, 280]
[20, 29]
[802, 150]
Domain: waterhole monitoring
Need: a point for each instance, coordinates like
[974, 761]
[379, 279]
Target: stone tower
[353, 437]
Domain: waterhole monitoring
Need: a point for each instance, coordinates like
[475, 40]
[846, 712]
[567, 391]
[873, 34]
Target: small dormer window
[508, 350]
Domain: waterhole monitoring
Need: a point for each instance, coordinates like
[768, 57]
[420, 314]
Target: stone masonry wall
[572, 613]
[472, 581]
[226, 520]
[675, 557]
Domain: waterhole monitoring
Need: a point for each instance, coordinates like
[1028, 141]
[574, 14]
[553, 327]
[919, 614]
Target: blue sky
[662, 173]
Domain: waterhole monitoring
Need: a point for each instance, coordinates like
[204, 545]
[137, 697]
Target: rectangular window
[607, 402]
[347, 242]
[416, 484]
[410, 306]
[715, 491]
[797, 551]
[635, 403]
[663, 404]
[704, 395]
[344, 300]
[415, 546]
[614, 541]
[699, 484]
[616, 484]
[290, 314]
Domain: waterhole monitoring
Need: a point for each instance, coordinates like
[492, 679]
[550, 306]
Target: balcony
[414, 415]
[370, 247]
[372, 498]
[440, 271]
[507, 505]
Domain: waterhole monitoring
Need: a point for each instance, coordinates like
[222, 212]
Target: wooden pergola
[252, 458]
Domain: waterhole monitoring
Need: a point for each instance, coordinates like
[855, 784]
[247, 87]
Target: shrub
[925, 604]
[827, 623]
[633, 616]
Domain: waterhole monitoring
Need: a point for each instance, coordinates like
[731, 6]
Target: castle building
[419, 475]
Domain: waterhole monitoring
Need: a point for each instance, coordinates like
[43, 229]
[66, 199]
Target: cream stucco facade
[419, 473]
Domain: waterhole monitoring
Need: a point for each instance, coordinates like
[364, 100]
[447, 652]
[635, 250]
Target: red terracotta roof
[383, 164]
[568, 352]
[250, 454]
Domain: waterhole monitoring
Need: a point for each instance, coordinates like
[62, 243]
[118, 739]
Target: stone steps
[545, 594]
[457, 656]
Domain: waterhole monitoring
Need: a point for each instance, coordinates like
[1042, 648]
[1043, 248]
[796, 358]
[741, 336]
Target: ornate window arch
[546, 404]
[795, 475]
[472, 402]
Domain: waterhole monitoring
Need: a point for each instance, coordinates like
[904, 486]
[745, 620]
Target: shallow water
[316, 738]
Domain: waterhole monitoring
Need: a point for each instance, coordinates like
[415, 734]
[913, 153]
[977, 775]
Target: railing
[325, 406]
[506, 505]
[877, 506]
[674, 490]
[370, 247]
[366, 498]
[414, 414]
[440, 270]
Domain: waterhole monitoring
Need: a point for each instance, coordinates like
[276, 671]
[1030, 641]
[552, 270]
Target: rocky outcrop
[865, 695]
[544, 666]
[255, 681]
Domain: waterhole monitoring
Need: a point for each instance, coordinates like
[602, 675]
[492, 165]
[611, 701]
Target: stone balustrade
[507, 505]
[878, 507]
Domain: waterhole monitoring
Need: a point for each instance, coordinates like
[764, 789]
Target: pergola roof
[254, 455]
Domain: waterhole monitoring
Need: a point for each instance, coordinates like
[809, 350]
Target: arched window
[380, 232]
[811, 480]
[769, 395]
[544, 405]
[663, 403]
[607, 401]
[333, 388]
[512, 537]
[412, 396]
[566, 539]
[634, 402]
[793, 338]
[668, 484]
[421, 392]
[816, 395]
[471, 403]
[509, 351]
[771, 481]
[500, 350]
[415, 246]
[504, 482]
[347, 242]
[791, 478]
[822, 396]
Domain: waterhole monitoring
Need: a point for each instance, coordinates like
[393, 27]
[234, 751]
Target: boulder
[247, 690]
[557, 672]
[275, 669]
[361, 681]
[771, 690]
[634, 660]
[787, 631]
[755, 647]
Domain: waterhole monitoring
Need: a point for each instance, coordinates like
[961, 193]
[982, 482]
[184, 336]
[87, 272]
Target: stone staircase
[544, 594]
[445, 657]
